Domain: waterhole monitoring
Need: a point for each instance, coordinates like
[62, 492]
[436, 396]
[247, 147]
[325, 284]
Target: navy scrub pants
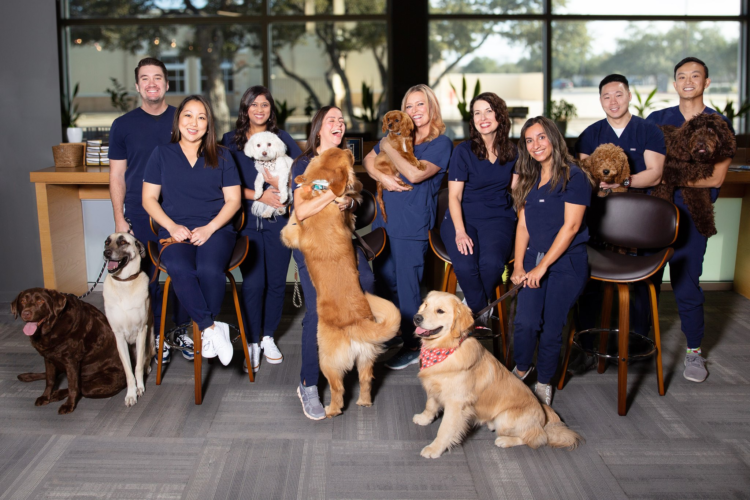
[264, 276]
[479, 273]
[310, 366]
[542, 312]
[398, 273]
[198, 274]
[142, 232]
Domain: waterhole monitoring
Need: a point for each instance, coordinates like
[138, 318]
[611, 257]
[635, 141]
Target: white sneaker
[270, 351]
[254, 351]
[207, 343]
[222, 343]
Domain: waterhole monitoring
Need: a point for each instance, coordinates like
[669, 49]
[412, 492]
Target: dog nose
[418, 318]
[26, 315]
[605, 172]
[264, 153]
[108, 253]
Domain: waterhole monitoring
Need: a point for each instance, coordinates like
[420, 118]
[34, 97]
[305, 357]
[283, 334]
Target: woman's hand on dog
[464, 243]
[604, 185]
[391, 183]
[180, 233]
[273, 181]
[271, 198]
[201, 235]
[344, 202]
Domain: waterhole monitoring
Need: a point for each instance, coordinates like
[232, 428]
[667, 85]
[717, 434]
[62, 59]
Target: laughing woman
[551, 197]
[200, 189]
[411, 214]
[264, 271]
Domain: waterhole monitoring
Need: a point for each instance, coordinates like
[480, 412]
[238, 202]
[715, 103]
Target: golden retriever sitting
[352, 325]
[608, 163]
[471, 387]
[400, 128]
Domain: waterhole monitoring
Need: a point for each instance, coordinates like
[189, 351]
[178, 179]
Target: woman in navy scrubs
[551, 197]
[411, 214]
[200, 188]
[264, 271]
[478, 230]
[326, 131]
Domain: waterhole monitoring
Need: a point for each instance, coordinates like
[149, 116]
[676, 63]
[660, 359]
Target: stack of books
[96, 153]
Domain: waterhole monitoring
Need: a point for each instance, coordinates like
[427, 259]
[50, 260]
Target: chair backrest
[442, 207]
[633, 220]
[366, 210]
[238, 222]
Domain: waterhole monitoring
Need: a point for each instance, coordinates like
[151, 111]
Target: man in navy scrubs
[643, 143]
[686, 266]
[132, 139]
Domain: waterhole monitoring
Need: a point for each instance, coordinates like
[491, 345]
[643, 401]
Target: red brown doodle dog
[608, 163]
[73, 337]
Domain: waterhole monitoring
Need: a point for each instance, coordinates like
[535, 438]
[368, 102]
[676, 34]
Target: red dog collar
[429, 357]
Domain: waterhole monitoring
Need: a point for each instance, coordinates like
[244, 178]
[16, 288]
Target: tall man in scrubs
[686, 266]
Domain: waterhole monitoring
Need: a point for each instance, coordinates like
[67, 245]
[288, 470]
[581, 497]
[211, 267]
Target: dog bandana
[429, 357]
[269, 165]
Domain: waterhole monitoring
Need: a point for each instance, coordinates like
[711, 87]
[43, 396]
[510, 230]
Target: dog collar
[127, 279]
[429, 357]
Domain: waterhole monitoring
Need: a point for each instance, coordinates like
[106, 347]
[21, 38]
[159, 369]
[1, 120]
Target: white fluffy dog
[269, 152]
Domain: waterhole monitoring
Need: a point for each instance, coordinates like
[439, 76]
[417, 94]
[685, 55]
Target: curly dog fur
[608, 163]
[692, 151]
[352, 325]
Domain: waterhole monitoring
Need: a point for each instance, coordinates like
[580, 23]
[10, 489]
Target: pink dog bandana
[429, 357]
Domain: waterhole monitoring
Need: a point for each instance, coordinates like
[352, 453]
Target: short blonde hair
[437, 126]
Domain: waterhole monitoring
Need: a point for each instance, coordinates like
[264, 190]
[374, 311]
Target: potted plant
[283, 112]
[645, 105]
[729, 111]
[118, 96]
[560, 113]
[70, 117]
[369, 116]
[463, 104]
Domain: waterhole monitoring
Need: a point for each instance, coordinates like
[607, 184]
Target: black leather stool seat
[614, 267]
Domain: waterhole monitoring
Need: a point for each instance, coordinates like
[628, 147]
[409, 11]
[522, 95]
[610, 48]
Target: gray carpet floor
[253, 441]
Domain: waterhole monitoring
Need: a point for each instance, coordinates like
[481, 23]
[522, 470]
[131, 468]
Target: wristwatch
[626, 182]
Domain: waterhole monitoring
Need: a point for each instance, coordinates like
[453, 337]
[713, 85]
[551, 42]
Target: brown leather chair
[450, 281]
[365, 213]
[238, 256]
[629, 220]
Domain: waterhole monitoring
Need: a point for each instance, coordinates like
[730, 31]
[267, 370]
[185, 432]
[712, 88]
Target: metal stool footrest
[188, 327]
[639, 347]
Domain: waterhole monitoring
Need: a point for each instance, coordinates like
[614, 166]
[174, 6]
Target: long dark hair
[528, 168]
[243, 120]
[209, 147]
[313, 140]
[502, 145]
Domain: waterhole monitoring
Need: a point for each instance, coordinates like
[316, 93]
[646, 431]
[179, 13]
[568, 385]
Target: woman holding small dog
[200, 187]
[264, 271]
[551, 197]
[411, 213]
[478, 230]
[326, 132]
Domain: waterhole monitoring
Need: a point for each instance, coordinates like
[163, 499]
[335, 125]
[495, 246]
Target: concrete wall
[30, 107]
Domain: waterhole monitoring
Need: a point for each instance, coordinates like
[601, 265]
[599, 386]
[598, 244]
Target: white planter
[75, 134]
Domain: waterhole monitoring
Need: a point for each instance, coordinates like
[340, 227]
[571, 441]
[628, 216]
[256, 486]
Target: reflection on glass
[645, 52]
[648, 7]
[76, 9]
[317, 64]
[506, 58]
[219, 62]
[337, 7]
[486, 6]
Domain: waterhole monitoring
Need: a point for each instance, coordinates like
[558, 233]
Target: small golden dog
[472, 387]
[352, 325]
[400, 128]
[608, 163]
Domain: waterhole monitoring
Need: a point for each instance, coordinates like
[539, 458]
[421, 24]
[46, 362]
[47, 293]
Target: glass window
[77, 9]
[645, 52]
[340, 7]
[505, 57]
[648, 7]
[176, 71]
[486, 6]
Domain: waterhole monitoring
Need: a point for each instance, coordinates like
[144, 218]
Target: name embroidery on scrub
[632, 149]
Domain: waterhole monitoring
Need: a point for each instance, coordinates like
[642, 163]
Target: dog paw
[506, 442]
[66, 408]
[41, 401]
[431, 451]
[421, 419]
[140, 390]
[364, 402]
[130, 397]
[148, 369]
[330, 413]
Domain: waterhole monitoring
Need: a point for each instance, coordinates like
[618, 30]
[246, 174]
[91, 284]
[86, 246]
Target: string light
[98, 47]
[79, 41]
[174, 43]
[156, 41]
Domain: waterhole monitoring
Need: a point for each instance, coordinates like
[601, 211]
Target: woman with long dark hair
[327, 131]
[551, 197]
[200, 189]
[478, 229]
[264, 270]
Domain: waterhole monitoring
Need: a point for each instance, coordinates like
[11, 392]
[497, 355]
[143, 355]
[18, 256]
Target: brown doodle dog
[400, 128]
[471, 387]
[692, 151]
[608, 163]
[352, 325]
[74, 338]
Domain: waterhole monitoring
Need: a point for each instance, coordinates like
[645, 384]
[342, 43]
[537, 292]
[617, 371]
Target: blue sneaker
[394, 342]
[183, 340]
[403, 358]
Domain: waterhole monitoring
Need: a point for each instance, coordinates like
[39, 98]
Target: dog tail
[558, 434]
[387, 320]
[380, 202]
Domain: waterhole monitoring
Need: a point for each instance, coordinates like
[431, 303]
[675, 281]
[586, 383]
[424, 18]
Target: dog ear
[385, 123]
[14, 306]
[676, 141]
[59, 301]
[463, 321]
[727, 141]
[141, 248]
[300, 179]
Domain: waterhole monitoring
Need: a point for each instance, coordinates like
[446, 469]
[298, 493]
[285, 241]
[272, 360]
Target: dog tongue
[419, 330]
[29, 329]
[112, 265]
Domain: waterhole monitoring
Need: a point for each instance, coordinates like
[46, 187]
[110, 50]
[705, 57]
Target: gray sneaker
[543, 392]
[582, 363]
[695, 368]
[311, 404]
[528, 372]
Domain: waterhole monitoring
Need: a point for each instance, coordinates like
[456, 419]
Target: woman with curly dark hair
[478, 229]
[264, 271]
[551, 197]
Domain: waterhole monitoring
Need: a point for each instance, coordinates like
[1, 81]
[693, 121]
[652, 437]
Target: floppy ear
[300, 179]
[585, 164]
[462, 321]
[676, 140]
[727, 141]
[14, 306]
[141, 249]
[58, 301]
[385, 123]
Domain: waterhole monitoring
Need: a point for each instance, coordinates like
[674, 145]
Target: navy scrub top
[192, 196]
[545, 212]
[246, 165]
[673, 116]
[411, 214]
[639, 135]
[133, 137]
[486, 184]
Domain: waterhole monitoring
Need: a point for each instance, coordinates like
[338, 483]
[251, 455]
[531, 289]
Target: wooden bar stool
[365, 215]
[238, 256]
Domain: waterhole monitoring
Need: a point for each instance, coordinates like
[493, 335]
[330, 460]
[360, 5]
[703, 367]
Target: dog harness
[429, 357]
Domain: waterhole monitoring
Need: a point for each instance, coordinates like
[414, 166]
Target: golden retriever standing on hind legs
[352, 325]
[471, 387]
